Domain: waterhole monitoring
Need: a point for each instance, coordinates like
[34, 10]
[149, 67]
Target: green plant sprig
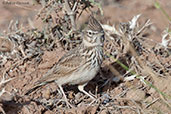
[158, 6]
[138, 76]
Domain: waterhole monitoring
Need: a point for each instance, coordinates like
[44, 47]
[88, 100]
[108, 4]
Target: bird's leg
[65, 98]
[81, 88]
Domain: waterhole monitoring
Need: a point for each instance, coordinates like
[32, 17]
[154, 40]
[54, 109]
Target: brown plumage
[79, 65]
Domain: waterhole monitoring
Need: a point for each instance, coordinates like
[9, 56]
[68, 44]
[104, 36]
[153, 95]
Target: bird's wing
[66, 65]
[70, 62]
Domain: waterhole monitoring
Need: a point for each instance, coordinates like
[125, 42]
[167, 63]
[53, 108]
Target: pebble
[136, 94]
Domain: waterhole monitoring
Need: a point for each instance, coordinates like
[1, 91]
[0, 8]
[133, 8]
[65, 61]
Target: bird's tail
[34, 88]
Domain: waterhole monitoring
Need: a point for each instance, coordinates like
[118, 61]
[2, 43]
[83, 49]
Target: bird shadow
[101, 83]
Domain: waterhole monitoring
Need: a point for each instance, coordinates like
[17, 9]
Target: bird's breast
[87, 70]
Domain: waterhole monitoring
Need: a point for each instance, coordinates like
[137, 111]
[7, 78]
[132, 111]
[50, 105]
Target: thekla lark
[79, 65]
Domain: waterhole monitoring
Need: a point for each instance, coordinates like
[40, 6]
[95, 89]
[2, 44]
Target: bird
[79, 65]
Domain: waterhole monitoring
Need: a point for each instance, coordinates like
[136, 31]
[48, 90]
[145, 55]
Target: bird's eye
[90, 33]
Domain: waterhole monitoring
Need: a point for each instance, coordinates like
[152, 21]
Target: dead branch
[71, 13]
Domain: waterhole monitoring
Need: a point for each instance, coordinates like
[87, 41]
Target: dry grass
[131, 76]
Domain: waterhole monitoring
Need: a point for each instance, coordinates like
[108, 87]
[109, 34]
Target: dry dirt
[47, 100]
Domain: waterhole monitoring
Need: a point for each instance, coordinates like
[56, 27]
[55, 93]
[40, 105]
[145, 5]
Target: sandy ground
[115, 11]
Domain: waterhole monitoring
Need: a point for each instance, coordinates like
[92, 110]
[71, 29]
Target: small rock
[78, 95]
[104, 112]
[91, 109]
[46, 94]
[151, 91]
[6, 45]
[135, 94]
[149, 99]
[106, 98]
[6, 97]
[70, 95]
